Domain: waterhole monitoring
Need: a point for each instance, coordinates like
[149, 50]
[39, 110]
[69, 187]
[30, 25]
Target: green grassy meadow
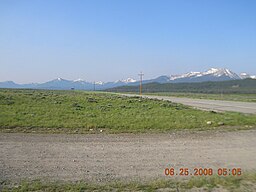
[82, 112]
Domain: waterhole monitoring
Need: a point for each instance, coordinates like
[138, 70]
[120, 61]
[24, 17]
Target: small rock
[220, 123]
[90, 129]
[208, 122]
[101, 130]
[74, 160]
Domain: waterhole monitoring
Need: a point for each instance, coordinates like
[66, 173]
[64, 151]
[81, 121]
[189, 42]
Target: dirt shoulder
[124, 157]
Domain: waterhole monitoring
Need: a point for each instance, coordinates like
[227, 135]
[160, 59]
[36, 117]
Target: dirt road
[102, 158]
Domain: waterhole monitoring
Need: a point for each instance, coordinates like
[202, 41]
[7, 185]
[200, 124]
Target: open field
[83, 112]
[225, 97]
[129, 162]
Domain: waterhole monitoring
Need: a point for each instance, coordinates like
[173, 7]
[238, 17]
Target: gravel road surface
[103, 158]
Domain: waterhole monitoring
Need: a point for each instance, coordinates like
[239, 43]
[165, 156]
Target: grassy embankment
[83, 112]
[245, 182]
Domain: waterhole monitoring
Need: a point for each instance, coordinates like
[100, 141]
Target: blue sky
[108, 40]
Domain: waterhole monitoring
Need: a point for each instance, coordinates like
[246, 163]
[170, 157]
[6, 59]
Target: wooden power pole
[141, 76]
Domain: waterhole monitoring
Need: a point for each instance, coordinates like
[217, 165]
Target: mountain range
[213, 74]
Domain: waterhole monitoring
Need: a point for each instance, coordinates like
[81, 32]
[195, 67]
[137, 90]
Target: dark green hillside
[234, 86]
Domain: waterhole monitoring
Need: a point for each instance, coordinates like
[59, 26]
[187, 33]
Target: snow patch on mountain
[128, 80]
[190, 74]
[246, 75]
[59, 79]
[79, 80]
[99, 83]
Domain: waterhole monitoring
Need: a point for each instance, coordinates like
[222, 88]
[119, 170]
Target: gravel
[121, 157]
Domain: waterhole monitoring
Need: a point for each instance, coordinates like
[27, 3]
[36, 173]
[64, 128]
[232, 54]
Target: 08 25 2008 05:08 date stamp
[183, 171]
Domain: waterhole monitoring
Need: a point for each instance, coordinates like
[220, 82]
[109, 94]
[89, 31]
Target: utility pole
[141, 75]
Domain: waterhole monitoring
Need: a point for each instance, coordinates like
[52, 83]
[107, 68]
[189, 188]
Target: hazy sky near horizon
[108, 40]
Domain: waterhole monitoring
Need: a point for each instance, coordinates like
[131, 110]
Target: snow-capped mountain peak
[79, 80]
[99, 83]
[190, 74]
[129, 80]
[220, 72]
[213, 74]
[246, 75]
[211, 71]
[59, 79]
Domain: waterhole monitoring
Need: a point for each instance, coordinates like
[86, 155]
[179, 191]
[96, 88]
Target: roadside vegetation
[44, 111]
[210, 183]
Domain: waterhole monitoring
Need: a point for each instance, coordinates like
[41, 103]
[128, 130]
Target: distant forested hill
[234, 86]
